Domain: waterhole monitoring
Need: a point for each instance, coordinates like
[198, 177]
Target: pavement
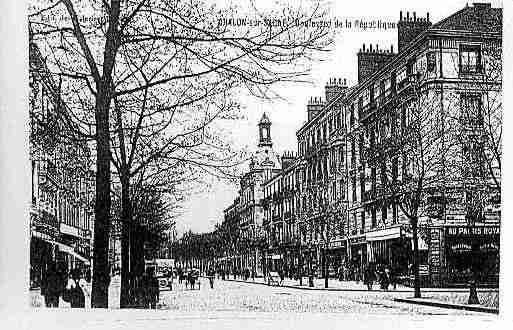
[341, 297]
[251, 306]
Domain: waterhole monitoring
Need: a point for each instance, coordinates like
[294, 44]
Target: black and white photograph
[255, 162]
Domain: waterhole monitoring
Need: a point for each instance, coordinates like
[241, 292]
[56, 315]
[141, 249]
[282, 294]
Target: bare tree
[106, 50]
[332, 223]
[410, 150]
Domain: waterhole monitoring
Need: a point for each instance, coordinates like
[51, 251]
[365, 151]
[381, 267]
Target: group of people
[381, 274]
[71, 286]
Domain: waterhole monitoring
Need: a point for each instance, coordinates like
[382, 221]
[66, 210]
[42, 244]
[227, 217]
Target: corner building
[451, 73]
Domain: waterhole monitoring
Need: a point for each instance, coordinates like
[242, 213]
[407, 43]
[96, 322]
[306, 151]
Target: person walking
[211, 277]
[76, 286]
[52, 286]
[153, 290]
[384, 279]
[369, 276]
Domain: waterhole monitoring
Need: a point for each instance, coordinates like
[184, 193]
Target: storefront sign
[69, 230]
[488, 247]
[357, 240]
[337, 244]
[472, 231]
[384, 234]
[461, 247]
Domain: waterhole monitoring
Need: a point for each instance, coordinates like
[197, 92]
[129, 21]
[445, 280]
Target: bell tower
[264, 130]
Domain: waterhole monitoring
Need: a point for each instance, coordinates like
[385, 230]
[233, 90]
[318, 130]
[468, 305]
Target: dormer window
[470, 59]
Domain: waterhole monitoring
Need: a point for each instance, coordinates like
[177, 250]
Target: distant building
[247, 209]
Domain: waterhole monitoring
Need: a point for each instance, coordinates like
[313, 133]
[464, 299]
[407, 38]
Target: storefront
[336, 256]
[472, 252]
[44, 230]
[358, 250]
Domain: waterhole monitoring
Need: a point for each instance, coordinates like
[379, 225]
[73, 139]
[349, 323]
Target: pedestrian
[384, 279]
[152, 289]
[369, 276]
[170, 280]
[179, 271]
[52, 286]
[211, 276]
[392, 276]
[76, 286]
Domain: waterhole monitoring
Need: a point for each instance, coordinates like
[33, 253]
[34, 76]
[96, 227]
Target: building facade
[61, 211]
[247, 209]
[415, 142]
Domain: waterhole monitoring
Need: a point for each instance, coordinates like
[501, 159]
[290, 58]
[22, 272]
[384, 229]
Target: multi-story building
[414, 142]
[247, 209]
[61, 216]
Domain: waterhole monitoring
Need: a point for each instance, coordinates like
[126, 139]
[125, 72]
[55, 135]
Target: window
[473, 154]
[409, 67]
[393, 82]
[470, 59]
[360, 107]
[351, 115]
[431, 61]
[471, 109]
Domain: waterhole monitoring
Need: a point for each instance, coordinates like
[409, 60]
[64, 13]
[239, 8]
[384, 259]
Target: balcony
[49, 173]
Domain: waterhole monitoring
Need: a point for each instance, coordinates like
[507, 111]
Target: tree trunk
[416, 281]
[126, 223]
[137, 250]
[300, 267]
[101, 276]
[325, 267]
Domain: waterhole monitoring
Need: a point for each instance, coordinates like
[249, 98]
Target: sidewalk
[336, 285]
[439, 303]
[454, 298]
[37, 300]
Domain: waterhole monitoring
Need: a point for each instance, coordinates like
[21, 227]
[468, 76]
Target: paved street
[246, 297]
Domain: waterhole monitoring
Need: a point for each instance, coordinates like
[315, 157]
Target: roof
[481, 17]
[264, 120]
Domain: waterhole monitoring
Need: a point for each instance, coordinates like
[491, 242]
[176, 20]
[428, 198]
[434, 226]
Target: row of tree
[149, 83]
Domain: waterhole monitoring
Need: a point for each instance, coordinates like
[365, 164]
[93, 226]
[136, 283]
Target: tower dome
[264, 132]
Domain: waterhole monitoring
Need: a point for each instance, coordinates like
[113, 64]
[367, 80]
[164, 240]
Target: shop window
[470, 59]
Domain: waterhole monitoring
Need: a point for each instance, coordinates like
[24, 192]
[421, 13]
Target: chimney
[287, 159]
[334, 87]
[482, 5]
[314, 106]
[370, 60]
[409, 28]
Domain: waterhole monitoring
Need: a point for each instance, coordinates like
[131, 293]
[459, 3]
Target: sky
[203, 210]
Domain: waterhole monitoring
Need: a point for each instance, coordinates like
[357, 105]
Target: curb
[353, 290]
[472, 308]
[317, 288]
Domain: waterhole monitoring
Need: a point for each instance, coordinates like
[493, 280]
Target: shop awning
[384, 234]
[69, 250]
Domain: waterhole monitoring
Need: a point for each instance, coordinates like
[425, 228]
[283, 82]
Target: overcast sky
[204, 210]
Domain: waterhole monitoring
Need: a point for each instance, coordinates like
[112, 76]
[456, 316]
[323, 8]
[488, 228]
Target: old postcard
[198, 157]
